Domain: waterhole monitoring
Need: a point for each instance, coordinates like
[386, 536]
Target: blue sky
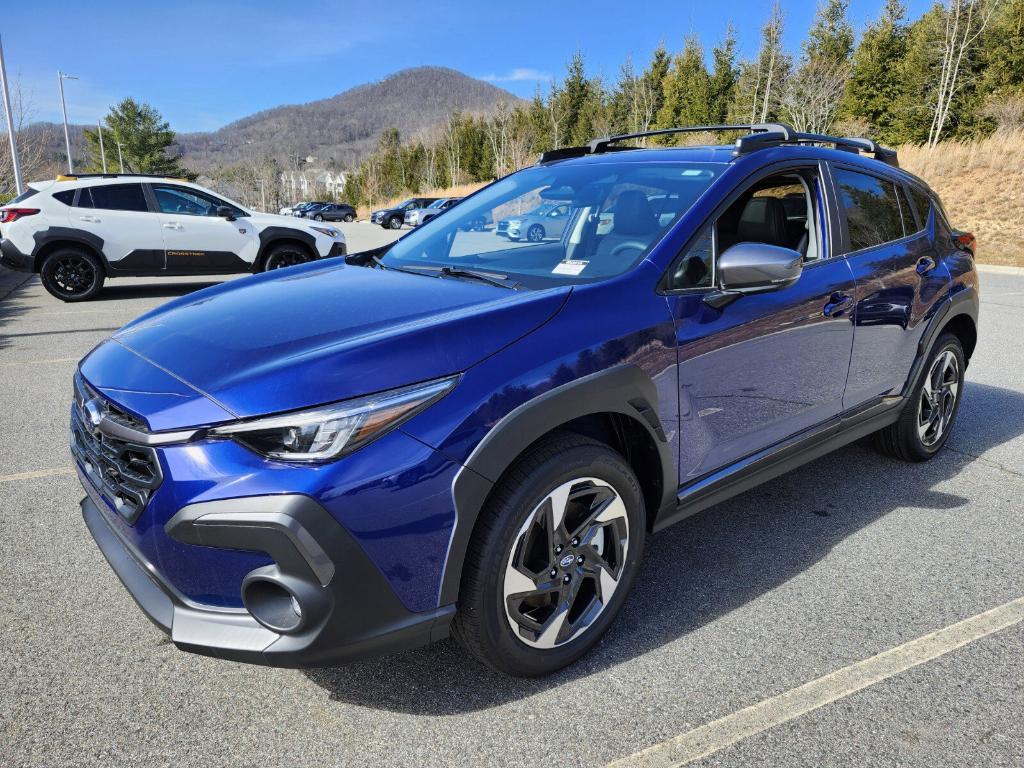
[203, 64]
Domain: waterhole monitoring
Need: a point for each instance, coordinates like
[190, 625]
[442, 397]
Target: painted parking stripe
[724, 732]
[41, 362]
[37, 474]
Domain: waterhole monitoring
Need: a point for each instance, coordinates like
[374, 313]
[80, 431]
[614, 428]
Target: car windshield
[436, 204]
[555, 225]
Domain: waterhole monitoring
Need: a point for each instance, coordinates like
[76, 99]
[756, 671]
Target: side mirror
[225, 213]
[758, 267]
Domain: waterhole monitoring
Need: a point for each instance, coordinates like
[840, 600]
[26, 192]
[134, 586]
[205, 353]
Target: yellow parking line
[37, 473]
[41, 362]
[726, 731]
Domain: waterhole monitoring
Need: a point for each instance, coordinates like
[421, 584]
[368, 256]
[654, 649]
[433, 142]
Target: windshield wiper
[382, 265]
[491, 278]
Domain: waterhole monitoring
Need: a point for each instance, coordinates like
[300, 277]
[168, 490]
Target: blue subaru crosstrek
[458, 434]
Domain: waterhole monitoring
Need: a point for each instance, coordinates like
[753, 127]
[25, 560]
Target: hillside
[343, 128]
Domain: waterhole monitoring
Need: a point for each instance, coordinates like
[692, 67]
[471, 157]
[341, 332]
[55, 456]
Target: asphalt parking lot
[830, 565]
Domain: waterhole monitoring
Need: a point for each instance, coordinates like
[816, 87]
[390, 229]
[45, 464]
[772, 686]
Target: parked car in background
[76, 231]
[416, 216]
[544, 221]
[474, 437]
[303, 211]
[289, 209]
[393, 218]
[332, 212]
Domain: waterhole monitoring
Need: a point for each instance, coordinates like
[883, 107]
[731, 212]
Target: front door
[771, 365]
[196, 240]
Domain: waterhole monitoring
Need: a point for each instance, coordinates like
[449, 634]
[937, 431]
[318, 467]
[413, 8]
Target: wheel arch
[958, 315]
[617, 407]
[56, 238]
[272, 236]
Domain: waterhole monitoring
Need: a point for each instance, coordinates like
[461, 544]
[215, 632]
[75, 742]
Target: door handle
[172, 225]
[837, 304]
[925, 265]
[92, 219]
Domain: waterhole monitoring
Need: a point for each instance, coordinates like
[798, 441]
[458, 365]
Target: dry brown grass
[981, 184]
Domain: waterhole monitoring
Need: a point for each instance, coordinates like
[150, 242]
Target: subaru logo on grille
[566, 561]
[94, 410]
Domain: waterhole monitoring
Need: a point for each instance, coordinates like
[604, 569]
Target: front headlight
[329, 231]
[332, 431]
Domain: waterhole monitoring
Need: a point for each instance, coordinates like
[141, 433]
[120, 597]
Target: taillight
[7, 215]
[964, 240]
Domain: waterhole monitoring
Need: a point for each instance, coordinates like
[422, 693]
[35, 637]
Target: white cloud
[518, 75]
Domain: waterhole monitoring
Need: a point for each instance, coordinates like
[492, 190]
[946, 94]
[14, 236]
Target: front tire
[71, 274]
[285, 255]
[552, 557]
[349, 218]
[930, 412]
[395, 222]
[535, 233]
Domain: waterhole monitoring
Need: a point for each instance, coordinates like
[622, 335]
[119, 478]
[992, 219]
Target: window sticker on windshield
[570, 267]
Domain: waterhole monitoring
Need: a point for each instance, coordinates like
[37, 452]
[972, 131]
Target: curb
[1000, 268]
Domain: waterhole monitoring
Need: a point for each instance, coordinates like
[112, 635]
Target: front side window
[557, 225]
[872, 209]
[183, 201]
[113, 197]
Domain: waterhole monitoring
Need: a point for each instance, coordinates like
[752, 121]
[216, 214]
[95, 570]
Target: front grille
[125, 474]
[502, 226]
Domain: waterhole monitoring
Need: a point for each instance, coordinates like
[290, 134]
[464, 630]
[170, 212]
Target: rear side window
[67, 196]
[114, 197]
[922, 203]
[872, 209]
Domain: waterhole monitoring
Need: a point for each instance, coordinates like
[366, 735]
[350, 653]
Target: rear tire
[72, 274]
[318, 217]
[930, 412]
[572, 507]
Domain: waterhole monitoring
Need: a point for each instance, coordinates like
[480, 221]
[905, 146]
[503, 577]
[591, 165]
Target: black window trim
[154, 204]
[145, 195]
[842, 210]
[831, 222]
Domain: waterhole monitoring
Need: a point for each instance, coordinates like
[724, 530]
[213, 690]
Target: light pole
[61, 77]
[120, 157]
[10, 123]
[103, 154]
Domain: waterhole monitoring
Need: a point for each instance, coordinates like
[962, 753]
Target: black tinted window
[909, 222]
[872, 209]
[66, 197]
[115, 197]
[922, 203]
[29, 191]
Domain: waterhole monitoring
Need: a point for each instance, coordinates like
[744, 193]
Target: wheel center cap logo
[94, 410]
[566, 561]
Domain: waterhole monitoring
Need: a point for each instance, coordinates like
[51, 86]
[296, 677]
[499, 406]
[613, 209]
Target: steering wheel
[635, 245]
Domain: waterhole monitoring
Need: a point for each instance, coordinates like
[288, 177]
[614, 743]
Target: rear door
[120, 216]
[899, 275]
[196, 240]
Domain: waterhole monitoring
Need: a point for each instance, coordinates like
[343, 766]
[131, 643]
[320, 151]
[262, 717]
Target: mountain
[340, 130]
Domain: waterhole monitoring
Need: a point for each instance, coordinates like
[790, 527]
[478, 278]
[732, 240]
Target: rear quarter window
[67, 196]
[872, 209]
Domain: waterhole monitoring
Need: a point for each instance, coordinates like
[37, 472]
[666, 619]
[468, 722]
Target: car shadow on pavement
[152, 290]
[708, 565]
[10, 292]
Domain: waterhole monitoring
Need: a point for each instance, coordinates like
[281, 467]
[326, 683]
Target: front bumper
[348, 609]
[12, 258]
[337, 249]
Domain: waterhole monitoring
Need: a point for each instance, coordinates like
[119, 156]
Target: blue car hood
[324, 332]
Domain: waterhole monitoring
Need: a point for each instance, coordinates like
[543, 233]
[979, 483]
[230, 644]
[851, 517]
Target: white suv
[76, 231]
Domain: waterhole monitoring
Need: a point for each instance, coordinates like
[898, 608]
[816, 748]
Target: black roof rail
[74, 176]
[761, 136]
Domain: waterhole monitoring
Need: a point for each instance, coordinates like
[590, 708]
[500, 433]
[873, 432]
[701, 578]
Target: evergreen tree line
[955, 72]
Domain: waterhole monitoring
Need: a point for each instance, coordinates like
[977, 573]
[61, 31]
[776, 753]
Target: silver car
[418, 216]
[544, 221]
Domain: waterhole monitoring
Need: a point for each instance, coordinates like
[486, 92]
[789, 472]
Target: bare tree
[452, 147]
[966, 21]
[31, 142]
[811, 97]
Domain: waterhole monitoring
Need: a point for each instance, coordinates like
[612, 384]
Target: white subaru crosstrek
[76, 231]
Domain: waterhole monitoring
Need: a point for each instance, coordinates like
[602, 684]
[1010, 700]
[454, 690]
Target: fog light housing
[272, 605]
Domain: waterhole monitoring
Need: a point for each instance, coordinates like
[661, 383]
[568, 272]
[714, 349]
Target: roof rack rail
[761, 136]
[74, 176]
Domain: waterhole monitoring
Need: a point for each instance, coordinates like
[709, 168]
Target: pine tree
[1002, 54]
[875, 79]
[655, 75]
[723, 76]
[831, 35]
[145, 139]
[687, 89]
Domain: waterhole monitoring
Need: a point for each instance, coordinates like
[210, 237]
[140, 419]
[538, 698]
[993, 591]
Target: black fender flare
[964, 302]
[272, 235]
[50, 235]
[625, 390]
